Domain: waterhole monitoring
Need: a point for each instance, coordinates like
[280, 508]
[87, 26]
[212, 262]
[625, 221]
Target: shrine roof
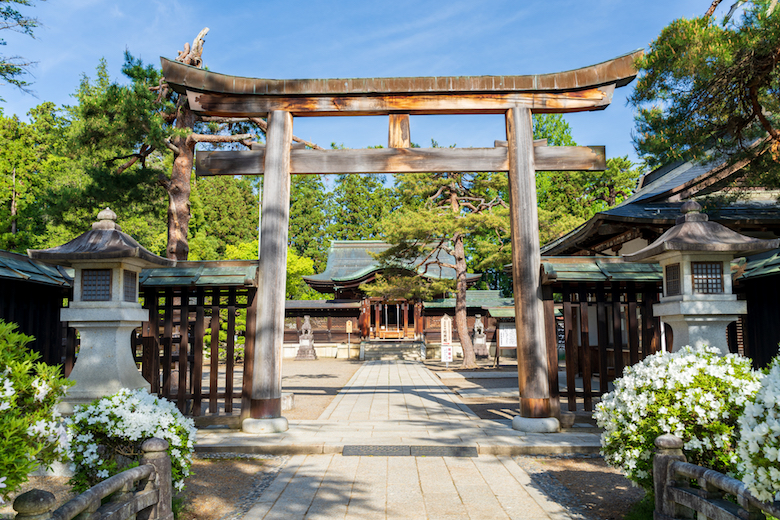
[350, 263]
[14, 266]
[757, 266]
[597, 269]
[222, 273]
[474, 298]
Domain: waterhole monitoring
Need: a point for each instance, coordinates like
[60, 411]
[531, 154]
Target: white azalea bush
[31, 433]
[759, 443]
[106, 436]
[695, 393]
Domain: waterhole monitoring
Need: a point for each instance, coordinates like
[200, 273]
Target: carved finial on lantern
[691, 212]
[106, 220]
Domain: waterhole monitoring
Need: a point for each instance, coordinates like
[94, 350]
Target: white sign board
[349, 326]
[446, 330]
[507, 335]
[446, 353]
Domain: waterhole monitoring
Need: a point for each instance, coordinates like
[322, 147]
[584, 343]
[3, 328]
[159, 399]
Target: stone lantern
[105, 307]
[695, 255]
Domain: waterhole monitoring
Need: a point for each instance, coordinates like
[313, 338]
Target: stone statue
[480, 339]
[306, 342]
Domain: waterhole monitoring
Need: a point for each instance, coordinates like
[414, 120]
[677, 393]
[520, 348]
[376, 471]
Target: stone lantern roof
[693, 232]
[105, 241]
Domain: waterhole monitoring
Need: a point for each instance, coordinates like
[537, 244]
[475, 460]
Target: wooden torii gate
[517, 97]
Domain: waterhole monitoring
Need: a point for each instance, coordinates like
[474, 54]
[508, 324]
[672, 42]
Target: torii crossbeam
[517, 97]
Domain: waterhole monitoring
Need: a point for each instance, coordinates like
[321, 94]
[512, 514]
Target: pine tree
[308, 219]
[359, 204]
[708, 89]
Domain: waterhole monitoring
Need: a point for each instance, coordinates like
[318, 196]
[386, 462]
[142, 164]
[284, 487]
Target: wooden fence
[149, 499]
[605, 328]
[201, 377]
[676, 498]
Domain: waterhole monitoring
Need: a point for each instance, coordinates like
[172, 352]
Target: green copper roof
[474, 298]
[19, 267]
[756, 266]
[351, 261]
[232, 273]
[590, 269]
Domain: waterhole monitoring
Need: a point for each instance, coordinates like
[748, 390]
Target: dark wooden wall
[762, 323]
[36, 309]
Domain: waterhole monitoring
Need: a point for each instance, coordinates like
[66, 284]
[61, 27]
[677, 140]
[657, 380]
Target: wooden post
[603, 335]
[617, 330]
[272, 272]
[184, 328]
[585, 368]
[668, 449]
[406, 320]
[377, 319]
[249, 340]
[214, 349]
[398, 135]
[230, 351]
[552, 349]
[571, 348]
[197, 348]
[526, 262]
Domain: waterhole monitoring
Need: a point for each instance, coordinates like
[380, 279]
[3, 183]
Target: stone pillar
[535, 410]
[266, 403]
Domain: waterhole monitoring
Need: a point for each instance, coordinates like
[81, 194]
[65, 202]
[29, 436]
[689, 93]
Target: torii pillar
[265, 406]
[536, 414]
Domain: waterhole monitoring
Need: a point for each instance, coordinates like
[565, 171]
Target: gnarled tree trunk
[461, 316]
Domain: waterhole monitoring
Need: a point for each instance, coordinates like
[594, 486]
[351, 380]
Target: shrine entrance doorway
[516, 97]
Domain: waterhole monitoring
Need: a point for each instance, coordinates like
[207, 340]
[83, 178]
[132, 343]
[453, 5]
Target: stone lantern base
[699, 323]
[105, 362]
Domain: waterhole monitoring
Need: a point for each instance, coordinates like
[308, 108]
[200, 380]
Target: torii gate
[213, 94]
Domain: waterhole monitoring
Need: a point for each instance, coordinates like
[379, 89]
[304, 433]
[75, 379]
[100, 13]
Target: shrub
[106, 436]
[695, 394]
[31, 433]
[759, 443]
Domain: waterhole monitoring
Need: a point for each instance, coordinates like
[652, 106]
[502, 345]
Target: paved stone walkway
[390, 405]
[396, 391]
[398, 488]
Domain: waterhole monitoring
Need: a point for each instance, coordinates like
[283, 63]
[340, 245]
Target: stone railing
[675, 498]
[143, 492]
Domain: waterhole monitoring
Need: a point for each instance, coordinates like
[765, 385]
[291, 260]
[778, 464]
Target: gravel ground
[584, 485]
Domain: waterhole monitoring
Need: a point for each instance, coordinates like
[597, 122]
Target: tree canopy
[13, 69]
[708, 88]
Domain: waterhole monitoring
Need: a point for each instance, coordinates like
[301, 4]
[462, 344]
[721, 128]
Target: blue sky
[354, 39]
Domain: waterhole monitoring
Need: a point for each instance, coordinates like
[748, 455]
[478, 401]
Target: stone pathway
[400, 407]
[367, 488]
[396, 391]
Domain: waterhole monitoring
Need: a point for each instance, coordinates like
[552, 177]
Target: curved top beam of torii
[587, 88]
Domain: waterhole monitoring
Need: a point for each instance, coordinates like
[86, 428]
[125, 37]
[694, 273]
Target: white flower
[103, 473]
[41, 389]
[132, 416]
